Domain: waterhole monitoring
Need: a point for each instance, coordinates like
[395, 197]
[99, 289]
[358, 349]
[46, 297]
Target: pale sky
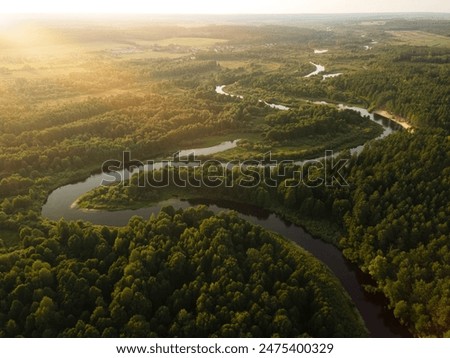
[222, 6]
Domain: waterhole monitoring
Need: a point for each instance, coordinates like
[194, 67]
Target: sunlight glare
[219, 7]
[158, 7]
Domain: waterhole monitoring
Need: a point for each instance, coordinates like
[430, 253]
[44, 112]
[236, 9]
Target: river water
[379, 320]
[319, 68]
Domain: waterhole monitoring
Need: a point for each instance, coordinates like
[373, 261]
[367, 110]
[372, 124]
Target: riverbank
[95, 201]
[397, 119]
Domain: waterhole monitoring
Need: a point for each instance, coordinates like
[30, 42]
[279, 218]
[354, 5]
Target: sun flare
[223, 7]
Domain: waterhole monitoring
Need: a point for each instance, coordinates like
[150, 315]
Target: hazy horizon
[231, 7]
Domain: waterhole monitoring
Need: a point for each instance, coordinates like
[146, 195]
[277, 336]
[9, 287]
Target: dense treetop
[180, 274]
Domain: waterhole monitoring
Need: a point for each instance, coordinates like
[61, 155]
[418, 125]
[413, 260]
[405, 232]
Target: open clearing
[264, 66]
[185, 41]
[421, 38]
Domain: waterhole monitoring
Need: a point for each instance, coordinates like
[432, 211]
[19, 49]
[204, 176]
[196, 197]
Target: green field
[185, 41]
[420, 38]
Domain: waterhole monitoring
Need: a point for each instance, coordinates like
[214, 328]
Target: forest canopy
[180, 274]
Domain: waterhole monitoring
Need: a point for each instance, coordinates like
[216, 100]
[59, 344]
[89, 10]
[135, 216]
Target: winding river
[379, 320]
[319, 68]
[387, 125]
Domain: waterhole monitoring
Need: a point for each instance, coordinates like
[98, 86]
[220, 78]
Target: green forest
[392, 219]
[72, 98]
[180, 274]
